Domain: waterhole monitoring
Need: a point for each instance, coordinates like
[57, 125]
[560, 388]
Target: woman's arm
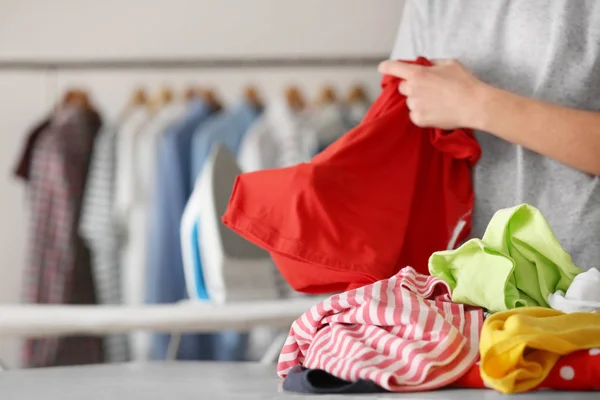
[448, 96]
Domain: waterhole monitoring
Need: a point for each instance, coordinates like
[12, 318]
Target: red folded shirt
[385, 195]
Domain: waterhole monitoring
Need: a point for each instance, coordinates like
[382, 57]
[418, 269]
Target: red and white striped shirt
[403, 333]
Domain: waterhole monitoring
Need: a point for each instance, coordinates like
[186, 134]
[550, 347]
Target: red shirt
[385, 195]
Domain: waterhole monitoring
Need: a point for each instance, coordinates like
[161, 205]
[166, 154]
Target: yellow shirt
[519, 347]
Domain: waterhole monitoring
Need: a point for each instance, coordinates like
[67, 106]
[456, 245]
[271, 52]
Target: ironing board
[195, 381]
[184, 317]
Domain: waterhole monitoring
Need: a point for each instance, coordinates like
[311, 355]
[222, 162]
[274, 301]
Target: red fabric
[385, 195]
[577, 371]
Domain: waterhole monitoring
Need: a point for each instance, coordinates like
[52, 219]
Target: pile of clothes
[509, 312]
[376, 218]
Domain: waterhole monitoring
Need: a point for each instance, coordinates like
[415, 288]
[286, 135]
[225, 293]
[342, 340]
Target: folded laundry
[583, 294]
[520, 347]
[385, 195]
[518, 262]
[401, 333]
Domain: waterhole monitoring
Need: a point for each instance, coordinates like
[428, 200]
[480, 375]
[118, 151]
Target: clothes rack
[192, 63]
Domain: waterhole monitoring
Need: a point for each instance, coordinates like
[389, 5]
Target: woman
[526, 76]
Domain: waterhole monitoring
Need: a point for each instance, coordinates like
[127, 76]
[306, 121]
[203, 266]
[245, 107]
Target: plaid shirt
[58, 270]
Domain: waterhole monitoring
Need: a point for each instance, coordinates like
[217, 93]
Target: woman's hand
[445, 95]
[448, 96]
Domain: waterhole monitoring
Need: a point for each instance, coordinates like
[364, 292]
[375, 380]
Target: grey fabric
[543, 49]
[317, 381]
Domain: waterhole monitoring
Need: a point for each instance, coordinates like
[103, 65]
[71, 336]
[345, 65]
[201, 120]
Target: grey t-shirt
[542, 49]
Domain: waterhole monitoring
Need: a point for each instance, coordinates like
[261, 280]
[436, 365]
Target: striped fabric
[100, 231]
[402, 333]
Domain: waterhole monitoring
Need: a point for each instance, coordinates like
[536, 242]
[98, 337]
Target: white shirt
[136, 170]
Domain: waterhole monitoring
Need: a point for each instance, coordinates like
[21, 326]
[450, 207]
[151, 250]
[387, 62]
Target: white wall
[92, 29]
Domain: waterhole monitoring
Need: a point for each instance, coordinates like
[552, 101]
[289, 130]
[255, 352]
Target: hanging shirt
[275, 139]
[547, 50]
[58, 268]
[517, 263]
[226, 128]
[98, 227]
[135, 207]
[23, 166]
[125, 186]
[165, 276]
[125, 164]
[401, 333]
[354, 113]
[520, 347]
[385, 195]
[328, 123]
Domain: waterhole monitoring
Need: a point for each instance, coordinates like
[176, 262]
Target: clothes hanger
[357, 95]
[295, 98]
[138, 98]
[163, 98]
[77, 98]
[252, 96]
[192, 92]
[212, 99]
[327, 96]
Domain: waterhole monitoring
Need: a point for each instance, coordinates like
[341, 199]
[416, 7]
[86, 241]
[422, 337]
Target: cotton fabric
[385, 195]
[401, 333]
[583, 295]
[138, 157]
[317, 381]
[170, 192]
[23, 166]
[99, 229]
[575, 371]
[517, 263]
[548, 50]
[276, 139]
[58, 269]
[520, 347]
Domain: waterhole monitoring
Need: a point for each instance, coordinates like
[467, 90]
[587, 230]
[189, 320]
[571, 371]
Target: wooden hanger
[327, 95]
[210, 97]
[162, 98]
[192, 92]
[252, 96]
[138, 98]
[294, 98]
[357, 95]
[77, 98]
